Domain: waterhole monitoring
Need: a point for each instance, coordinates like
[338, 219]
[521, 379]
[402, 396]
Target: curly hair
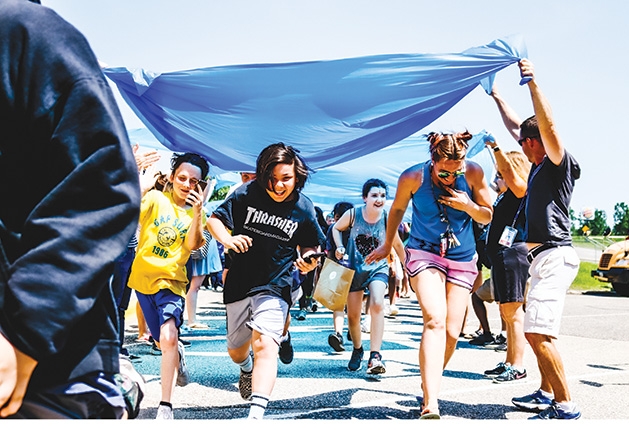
[451, 146]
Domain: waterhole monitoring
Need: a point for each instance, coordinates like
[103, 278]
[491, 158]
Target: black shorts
[509, 272]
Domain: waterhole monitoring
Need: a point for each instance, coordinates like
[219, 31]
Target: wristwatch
[496, 148]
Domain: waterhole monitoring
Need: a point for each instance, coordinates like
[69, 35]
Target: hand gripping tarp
[332, 111]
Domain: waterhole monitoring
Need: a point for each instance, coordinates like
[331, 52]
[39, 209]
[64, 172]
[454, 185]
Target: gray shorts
[552, 273]
[263, 313]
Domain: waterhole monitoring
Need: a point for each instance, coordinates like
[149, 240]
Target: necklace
[448, 239]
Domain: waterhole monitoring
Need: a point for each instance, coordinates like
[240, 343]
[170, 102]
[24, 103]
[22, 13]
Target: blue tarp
[332, 111]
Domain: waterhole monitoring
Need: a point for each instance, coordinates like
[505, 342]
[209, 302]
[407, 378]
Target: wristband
[339, 248]
[496, 148]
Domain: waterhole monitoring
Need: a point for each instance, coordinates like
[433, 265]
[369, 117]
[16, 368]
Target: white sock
[258, 406]
[247, 365]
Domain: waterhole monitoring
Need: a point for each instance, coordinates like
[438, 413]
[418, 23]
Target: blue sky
[579, 49]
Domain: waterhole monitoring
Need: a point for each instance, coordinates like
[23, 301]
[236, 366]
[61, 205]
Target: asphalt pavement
[594, 345]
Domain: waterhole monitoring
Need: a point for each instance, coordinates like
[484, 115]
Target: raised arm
[514, 182]
[509, 117]
[550, 138]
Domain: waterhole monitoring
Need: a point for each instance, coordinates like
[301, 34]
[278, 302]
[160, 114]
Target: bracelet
[496, 148]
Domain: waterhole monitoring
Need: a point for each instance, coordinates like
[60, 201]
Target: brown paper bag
[333, 285]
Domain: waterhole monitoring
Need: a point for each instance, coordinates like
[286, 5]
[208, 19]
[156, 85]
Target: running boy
[269, 228]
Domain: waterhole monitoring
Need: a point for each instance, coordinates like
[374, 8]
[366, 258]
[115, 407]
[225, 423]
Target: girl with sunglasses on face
[448, 193]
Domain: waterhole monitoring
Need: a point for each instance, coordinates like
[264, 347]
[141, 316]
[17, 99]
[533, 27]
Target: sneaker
[335, 340]
[355, 363]
[183, 377]
[301, 315]
[375, 366]
[497, 371]
[498, 341]
[501, 348]
[483, 339]
[510, 375]
[393, 310]
[365, 325]
[535, 402]
[244, 385]
[185, 343]
[155, 350]
[286, 350]
[473, 335]
[553, 412]
[164, 413]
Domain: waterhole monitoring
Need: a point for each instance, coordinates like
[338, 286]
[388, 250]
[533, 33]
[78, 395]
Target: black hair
[280, 153]
[340, 208]
[373, 182]
[529, 128]
[191, 158]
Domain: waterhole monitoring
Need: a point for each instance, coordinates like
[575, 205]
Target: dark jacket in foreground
[69, 196]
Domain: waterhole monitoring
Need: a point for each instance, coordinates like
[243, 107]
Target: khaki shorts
[552, 273]
[263, 313]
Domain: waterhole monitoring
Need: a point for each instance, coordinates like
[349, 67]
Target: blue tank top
[426, 223]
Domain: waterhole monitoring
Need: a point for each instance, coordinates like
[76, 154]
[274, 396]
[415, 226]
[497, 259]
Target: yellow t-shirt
[161, 256]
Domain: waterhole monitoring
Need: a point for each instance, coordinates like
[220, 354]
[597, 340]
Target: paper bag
[333, 285]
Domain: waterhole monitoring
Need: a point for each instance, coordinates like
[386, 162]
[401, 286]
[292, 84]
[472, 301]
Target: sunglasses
[521, 141]
[444, 174]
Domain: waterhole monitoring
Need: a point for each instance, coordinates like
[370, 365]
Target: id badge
[508, 236]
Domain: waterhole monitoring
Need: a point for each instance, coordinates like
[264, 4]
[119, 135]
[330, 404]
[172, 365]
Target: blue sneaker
[535, 402]
[553, 412]
[355, 362]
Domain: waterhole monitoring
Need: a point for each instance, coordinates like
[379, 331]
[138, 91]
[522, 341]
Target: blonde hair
[520, 164]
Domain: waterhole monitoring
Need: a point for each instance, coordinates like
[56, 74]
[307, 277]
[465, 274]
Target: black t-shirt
[548, 201]
[505, 209]
[276, 229]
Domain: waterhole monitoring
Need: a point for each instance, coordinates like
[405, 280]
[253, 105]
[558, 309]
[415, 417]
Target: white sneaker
[365, 325]
[164, 413]
[183, 377]
[393, 310]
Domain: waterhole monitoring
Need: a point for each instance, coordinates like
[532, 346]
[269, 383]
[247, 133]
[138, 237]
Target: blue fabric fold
[332, 111]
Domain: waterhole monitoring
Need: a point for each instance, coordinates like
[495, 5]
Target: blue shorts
[159, 308]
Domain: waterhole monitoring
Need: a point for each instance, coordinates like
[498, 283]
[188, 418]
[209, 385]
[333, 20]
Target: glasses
[444, 174]
[521, 141]
[192, 181]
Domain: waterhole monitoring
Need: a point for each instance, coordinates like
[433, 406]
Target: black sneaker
[335, 340]
[510, 375]
[375, 366]
[355, 363]
[286, 350]
[483, 339]
[244, 384]
[498, 370]
[499, 341]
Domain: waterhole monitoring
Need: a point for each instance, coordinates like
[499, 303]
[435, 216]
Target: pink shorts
[462, 273]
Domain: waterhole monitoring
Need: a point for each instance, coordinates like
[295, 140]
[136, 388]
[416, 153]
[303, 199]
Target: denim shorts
[159, 308]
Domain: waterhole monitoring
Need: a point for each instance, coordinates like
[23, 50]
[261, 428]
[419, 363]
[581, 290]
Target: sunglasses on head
[444, 174]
